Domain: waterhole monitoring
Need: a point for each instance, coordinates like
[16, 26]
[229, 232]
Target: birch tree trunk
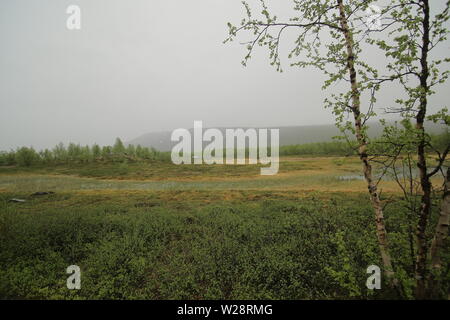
[362, 151]
[425, 206]
[440, 236]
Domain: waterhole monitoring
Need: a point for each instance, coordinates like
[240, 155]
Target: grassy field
[160, 231]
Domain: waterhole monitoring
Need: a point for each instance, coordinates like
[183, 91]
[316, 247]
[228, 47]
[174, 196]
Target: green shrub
[26, 157]
[272, 248]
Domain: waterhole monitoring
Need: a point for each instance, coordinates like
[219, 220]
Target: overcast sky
[140, 66]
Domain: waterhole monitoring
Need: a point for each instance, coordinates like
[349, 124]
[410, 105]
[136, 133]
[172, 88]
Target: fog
[141, 66]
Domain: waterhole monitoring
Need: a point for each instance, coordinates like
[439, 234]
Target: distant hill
[288, 135]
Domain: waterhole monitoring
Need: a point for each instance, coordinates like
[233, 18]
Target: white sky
[140, 66]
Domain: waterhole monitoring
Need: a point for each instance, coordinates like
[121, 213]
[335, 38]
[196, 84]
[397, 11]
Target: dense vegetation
[75, 153]
[185, 234]
[195, 231]
[197, 246]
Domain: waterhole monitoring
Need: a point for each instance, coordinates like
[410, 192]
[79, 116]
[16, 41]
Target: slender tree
[440, 236]
[414, 33]
[339, 58]
[96, 151]
[118, 148]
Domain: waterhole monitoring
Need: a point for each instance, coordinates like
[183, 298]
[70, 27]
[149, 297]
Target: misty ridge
[289, 135]
[319, 140]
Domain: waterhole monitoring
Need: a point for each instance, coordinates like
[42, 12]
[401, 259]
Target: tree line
[349, 148]
[76, 153]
